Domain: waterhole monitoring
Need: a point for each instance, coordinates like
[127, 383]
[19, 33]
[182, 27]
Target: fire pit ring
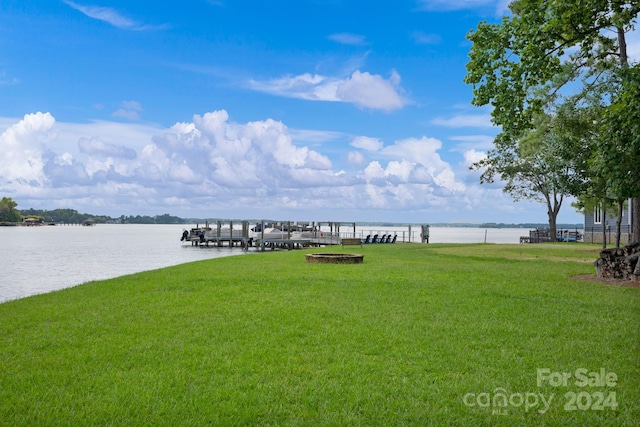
[335, 258]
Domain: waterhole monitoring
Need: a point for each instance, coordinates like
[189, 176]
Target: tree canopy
[519, 65]
[8, 211]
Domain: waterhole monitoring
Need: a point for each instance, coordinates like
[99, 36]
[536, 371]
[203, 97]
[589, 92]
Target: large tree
[545, 164]
[549, 51]
[8, 211]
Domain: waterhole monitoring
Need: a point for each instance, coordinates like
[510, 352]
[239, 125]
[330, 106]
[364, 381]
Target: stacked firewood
[619, 263]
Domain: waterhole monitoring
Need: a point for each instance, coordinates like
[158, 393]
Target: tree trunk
[604, 228]
[622, 47]
[635, 202]
[552, 213]
[619, 222]
[635, 219]
[552, 227]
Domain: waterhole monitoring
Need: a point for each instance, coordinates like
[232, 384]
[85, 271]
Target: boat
[195, 234]
[285, 231]
[203, 234]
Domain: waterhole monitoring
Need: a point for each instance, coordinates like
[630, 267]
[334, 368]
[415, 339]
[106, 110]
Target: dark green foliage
[8, 211]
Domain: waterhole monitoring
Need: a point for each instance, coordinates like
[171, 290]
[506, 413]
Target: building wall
[593, 231]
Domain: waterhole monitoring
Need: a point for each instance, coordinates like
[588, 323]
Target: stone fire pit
[335, 258]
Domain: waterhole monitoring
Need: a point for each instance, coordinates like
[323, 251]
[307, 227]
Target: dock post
[245, 235]
[425, 234]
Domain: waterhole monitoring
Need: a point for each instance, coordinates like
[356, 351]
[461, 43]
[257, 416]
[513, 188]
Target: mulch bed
[606, 280]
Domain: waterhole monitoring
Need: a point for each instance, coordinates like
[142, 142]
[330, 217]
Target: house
[595, 220]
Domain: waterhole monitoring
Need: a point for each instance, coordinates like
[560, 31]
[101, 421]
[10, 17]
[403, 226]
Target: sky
[314, 110]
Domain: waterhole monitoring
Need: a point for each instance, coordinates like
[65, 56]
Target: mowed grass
[417, 335]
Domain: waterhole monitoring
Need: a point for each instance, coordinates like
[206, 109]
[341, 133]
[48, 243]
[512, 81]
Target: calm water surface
[36, 260]
[41, 259]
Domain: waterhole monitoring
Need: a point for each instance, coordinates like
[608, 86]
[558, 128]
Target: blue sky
[319, 110]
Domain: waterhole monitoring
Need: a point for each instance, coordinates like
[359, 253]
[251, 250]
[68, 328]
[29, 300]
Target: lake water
[40, 259]
[36, 260]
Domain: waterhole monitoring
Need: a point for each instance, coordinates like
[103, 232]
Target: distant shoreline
[172, 220]
[73, 216]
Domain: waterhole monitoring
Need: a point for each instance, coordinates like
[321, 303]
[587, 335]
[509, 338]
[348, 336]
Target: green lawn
[417, 335]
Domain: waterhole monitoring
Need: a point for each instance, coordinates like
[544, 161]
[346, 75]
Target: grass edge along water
[416, 335]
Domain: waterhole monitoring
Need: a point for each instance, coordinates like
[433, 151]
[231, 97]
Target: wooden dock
[288, 235]
[224, 233]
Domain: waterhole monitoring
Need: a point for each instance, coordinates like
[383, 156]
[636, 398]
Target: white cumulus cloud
[366, 143]
[355, 158]
[23, 147]
[365, 90]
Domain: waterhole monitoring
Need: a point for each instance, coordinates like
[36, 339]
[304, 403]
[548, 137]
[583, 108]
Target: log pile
[619, 263]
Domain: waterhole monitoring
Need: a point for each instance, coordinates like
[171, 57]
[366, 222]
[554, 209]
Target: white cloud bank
[214, 167]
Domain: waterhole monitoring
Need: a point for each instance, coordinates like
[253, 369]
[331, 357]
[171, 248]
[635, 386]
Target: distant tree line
[67, 216]
[157, 219]
[71, 216]
[10, 214]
